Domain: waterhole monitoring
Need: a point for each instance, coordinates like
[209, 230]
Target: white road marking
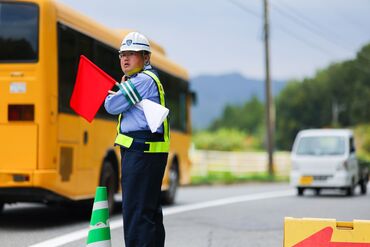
[80, 234]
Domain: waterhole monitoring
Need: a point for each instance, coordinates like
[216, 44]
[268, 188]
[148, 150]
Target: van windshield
[18, 32]
[321, 145]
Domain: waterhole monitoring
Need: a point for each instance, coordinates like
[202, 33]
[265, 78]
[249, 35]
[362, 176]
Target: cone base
[105, 243]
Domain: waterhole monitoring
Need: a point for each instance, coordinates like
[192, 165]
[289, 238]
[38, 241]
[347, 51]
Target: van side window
[352, 148]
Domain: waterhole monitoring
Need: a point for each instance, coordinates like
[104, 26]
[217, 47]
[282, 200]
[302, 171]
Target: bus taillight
[21, 112]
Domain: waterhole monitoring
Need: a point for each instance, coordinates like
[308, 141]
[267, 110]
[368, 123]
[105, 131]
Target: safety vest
[154, 147]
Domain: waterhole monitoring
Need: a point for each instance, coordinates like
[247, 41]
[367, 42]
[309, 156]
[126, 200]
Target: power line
[298, 37]
[298, 21]
[355, 23]
[244, 8]
[308, 43]
[285, 30]
[319, 33]
[313, 24]
[312, 28]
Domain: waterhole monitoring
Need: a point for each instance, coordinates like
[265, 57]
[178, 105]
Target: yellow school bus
[47, 152]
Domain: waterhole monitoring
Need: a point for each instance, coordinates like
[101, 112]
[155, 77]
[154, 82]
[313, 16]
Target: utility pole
[269, 107]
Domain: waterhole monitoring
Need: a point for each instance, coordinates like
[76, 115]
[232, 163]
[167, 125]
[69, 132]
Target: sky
[214, 37]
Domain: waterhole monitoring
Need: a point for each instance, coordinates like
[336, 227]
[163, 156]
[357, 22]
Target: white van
[326, 159]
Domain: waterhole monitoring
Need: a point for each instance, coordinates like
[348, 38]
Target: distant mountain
[215, 92]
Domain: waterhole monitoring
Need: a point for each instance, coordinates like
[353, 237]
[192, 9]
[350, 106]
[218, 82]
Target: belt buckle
[140, 146]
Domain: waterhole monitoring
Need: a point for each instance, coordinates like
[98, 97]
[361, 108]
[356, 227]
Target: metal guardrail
[204, 161]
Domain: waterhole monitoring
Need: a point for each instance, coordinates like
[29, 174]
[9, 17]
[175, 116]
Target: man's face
[131, 61]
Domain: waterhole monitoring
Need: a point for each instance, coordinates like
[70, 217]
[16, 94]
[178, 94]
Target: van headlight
[295, 166]
[342, 166]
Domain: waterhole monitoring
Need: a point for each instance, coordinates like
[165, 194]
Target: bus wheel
[168, 196]
[108, 179]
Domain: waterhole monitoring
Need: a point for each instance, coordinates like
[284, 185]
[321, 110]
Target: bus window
[72, 44]
[107, 59]
[176, 90]
[67, 63]
[18, 32]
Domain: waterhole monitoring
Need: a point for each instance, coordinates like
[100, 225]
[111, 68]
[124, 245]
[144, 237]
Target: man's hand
[112, 92]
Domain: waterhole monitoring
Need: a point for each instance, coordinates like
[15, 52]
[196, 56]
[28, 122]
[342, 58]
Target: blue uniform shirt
[133, 118]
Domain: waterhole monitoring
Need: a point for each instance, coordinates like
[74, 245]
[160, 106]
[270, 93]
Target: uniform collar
[146, 67]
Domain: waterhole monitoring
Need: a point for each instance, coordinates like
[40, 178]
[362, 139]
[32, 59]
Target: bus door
[75, 144]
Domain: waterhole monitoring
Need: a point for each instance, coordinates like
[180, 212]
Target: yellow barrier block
[312, 232]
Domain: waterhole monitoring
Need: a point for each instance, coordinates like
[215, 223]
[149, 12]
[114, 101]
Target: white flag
[154, 113]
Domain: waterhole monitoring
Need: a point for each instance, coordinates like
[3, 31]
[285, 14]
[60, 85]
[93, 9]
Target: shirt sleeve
[145, 85]
[128, 89]
[130, 93]
[116, 103]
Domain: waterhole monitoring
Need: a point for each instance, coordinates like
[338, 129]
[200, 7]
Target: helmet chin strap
[137, 70]
[134, 71]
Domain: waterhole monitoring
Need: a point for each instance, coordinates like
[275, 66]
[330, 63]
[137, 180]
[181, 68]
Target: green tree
[247, 118]
[337, 96]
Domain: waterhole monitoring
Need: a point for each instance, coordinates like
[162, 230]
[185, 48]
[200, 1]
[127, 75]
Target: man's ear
[146, 58]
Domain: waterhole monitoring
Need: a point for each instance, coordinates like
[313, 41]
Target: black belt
[139, 146]
[140, 137]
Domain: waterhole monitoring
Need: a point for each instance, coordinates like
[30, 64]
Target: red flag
[91, 88]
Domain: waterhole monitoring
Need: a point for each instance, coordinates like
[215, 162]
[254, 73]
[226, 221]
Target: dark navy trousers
[142, 175]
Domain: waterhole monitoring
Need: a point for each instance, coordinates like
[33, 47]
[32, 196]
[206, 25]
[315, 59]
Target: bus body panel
[20, 150]
[180, 149]
[59, 155]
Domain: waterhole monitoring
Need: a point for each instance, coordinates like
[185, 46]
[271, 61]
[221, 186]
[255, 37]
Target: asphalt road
[205, 216]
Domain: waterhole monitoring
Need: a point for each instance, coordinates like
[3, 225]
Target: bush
[362, 135]
[226, 140]
[226, 177]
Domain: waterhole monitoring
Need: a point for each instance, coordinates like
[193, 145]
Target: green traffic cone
[99, 232]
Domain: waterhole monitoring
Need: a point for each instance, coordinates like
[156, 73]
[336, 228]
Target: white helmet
[135, 41]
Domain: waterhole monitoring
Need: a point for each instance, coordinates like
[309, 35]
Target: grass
[214, 177]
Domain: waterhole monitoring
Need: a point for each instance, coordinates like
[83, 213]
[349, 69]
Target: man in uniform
[143, 153]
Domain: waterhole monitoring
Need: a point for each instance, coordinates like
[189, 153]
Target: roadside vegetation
[335, 97]
[219, 177]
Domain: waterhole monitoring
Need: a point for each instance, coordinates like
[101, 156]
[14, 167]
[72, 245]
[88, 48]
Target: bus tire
[108, 179]
[168, 196]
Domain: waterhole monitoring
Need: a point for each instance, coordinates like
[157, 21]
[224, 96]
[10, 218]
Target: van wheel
[363, 186]
[108, 179]
[300, 191]
[350, 190]
[168, 196]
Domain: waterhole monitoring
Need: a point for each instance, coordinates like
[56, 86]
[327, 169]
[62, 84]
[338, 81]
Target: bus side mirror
[193, 96]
